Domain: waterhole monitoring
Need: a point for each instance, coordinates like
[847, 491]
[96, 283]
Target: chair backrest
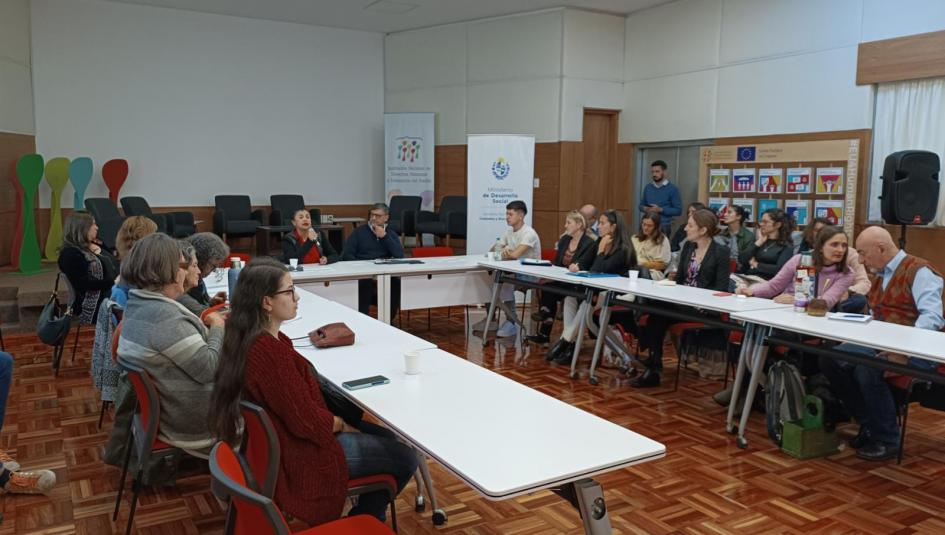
[260, 448]
[287, 205]
[403, 203]
[549, 254]
[72, 292]
[147, 417]
[135, 206]
[256, 514]
[116, 334]
[452, 203]
[236, 207]
[102, 209]
[427, 252]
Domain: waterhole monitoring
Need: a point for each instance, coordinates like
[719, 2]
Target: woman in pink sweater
[833, 274]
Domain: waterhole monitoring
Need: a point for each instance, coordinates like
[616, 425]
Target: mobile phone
[358, 384]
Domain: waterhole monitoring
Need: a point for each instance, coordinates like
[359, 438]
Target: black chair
[449, 222]
[107, 218]
[233, 216]
[285, 206]
[403, 214]
[176, 224]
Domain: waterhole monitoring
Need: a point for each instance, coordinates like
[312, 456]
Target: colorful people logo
[408, 149]
[500, 169]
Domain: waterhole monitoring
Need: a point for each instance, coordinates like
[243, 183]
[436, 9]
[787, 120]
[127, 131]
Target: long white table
[878, 335]
[458, 413]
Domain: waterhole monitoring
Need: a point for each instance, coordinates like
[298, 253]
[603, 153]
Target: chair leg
[124, 474]
[57, 357]
[393, 511]
[75, 344]
[135, 490]
[902, 432]
[678, 370]
[101, 413]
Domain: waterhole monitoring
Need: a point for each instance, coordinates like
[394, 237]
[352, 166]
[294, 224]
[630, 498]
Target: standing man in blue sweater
[661, 197]
[370, 242]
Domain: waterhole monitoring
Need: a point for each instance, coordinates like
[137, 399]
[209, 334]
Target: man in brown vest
[908, 291]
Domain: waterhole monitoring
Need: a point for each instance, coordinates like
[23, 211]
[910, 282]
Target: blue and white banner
[408, 156]
[499, 169]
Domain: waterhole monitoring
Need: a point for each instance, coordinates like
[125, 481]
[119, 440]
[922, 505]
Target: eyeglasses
[378, 214]
[289, 290]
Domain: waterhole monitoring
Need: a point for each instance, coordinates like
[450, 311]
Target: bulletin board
[818, 175]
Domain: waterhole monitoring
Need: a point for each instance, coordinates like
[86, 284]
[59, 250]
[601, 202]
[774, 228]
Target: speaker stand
[902, 237]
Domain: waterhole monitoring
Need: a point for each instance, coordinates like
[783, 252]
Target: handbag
[332, 335]
[54, 321]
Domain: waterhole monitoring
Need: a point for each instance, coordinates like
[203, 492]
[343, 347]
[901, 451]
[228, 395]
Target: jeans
[6, 377]
[374, 451]
[864, 392]
[367, 295]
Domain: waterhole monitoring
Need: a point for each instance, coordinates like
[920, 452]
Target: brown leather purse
[332, 335]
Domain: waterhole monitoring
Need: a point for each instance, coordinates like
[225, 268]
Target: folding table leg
[590, 498]
[582, 324]
[747, 348]
[496, 284]
[439, 515]
[383, 298]
[758, 363]
[604, 321]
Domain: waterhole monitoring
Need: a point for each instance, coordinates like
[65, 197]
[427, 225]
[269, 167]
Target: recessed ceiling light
[390, 6]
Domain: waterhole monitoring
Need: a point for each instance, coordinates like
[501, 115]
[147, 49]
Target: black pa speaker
[910, 187]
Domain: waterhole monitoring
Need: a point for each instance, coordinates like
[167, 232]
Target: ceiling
[387, 16]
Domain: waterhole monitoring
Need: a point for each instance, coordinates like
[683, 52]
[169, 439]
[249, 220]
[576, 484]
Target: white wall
[16, 93]
[205, 104]
[717, 68]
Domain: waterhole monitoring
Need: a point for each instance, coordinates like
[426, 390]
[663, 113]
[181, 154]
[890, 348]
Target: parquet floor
[705, 484]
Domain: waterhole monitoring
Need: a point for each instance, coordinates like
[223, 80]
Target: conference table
[762, 328]
[500, 437]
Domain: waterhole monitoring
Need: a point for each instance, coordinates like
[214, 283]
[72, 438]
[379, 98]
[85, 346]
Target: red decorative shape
[115, 172]
[18, 231]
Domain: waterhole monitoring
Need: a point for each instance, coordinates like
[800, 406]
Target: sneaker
[8, 462]
[32, 482]
[508, 329]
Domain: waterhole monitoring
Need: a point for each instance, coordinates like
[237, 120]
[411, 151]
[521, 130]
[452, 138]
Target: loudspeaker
[910, 187]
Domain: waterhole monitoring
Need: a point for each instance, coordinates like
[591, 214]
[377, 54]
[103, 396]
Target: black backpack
[784, 400]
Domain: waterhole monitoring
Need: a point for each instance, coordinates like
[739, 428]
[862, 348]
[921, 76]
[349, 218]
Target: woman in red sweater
[320, 452]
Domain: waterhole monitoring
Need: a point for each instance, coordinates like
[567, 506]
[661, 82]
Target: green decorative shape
[29, 171]
[57, 176]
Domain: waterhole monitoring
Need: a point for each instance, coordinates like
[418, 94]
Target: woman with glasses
[211, 253]
[319, 451]
[772, 248]
[179, 351]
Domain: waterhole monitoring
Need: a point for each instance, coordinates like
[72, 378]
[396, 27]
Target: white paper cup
[633, 274]
[294, 263]
[412, 362]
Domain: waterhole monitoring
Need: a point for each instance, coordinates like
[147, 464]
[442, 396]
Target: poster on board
[798, 180]
[743, 180]
[831, 210]
[748, 205]
[768, 204]
[719, 180]
[799, 210]
[770, 180]
[499, 169]
[408, 156]
[829, 181]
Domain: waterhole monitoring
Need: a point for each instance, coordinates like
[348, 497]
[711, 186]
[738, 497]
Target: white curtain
[908, 115]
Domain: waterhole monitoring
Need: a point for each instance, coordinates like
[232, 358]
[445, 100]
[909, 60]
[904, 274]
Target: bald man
[590, 213]
[908, 291]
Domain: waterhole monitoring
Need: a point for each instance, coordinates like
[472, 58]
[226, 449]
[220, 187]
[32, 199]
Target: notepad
[856, 318]
[398, 261]
[589, 275]
[534, 262]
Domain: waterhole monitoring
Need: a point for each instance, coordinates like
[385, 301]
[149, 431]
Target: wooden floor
[705, 484]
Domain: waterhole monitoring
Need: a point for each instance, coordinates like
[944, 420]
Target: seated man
[371, 242]
[907, 291]
[520, 241]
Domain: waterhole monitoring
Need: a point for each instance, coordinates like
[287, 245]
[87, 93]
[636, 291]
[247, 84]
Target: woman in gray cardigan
[178, 350]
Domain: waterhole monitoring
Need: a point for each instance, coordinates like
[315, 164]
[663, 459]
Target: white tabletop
[556, 273]
[503, 438]
[879, 335]
[685, 295]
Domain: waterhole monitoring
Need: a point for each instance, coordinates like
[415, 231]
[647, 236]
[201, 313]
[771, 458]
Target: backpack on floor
[785, 398]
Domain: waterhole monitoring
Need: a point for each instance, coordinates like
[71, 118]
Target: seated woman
[809, 235]
[192, 278]
[854, 300]
[320, 451]
[90, 269]
[614, 255]
[703, 263]
[736, 232]
[675, 242]
[830, 261]
[211, 254]
[306, 244]
[133, 229]
[651, 246]
[764, 257]
[178, 351]
[576, 247]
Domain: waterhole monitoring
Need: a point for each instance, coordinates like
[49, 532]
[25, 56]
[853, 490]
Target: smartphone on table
[366, 382]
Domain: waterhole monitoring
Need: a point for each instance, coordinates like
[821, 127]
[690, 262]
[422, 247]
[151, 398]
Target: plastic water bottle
[497, 249]
[236, 265]
[801, 290]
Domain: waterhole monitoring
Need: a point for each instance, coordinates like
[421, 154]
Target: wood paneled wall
[12, 147]
[903, 58]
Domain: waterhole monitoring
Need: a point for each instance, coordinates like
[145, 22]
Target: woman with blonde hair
[133, 229]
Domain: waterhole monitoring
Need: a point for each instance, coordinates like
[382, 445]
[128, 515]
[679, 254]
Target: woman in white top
[652, 246]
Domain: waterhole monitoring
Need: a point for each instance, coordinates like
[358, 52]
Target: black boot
[539, 338]
[649, 379]
[566, 354]
[543, 315]
[555, 350]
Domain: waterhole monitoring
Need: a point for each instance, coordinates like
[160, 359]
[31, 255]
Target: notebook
[589, 275]
[398, 261]
[534, 262]
[856, 318]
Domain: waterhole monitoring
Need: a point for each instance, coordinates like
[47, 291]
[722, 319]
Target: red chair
[260, 451]
[549, 254]
[905, 391]
[258, 515]
[143, 436]
[430, 252]
[244, 257]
